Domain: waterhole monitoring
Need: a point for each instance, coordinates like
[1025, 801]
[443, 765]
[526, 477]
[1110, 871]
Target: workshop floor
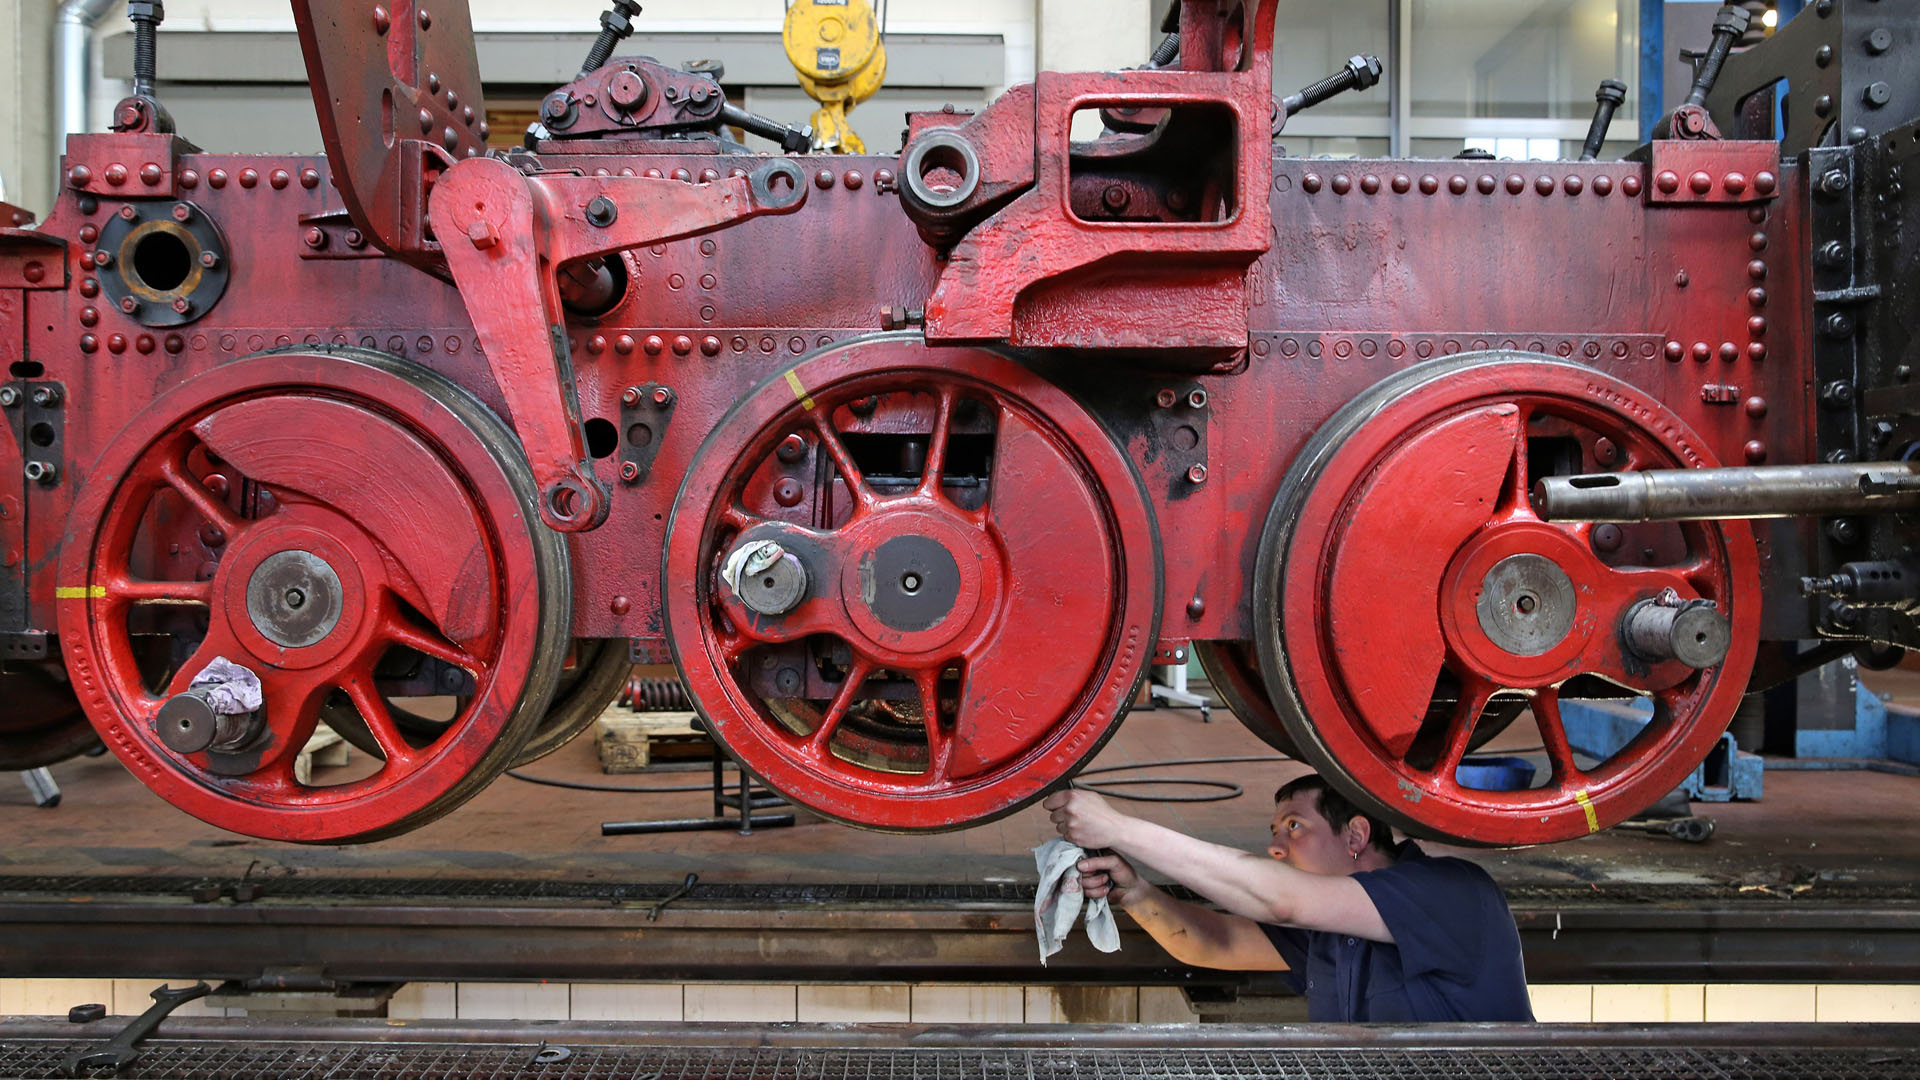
[1842, 826]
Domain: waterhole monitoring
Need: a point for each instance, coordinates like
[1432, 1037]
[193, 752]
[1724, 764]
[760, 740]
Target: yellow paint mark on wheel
[1593, 819]
[799, 391]
[79, 592]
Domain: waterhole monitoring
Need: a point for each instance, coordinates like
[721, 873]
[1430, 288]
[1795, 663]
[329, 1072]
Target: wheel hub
[1526, 604]
[904, 585]
[294, 598]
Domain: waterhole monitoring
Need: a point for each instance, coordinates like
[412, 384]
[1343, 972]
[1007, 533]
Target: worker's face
[1304, 840]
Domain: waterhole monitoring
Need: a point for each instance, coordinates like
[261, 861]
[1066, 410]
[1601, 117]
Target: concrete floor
[1811, 827]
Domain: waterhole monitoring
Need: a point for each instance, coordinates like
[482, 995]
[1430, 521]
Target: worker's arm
[1190, 933]
[1247, 885]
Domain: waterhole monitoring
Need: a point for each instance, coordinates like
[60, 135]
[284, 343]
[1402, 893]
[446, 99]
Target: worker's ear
[1359, 834]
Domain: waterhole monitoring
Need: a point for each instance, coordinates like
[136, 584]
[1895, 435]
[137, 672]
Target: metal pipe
[1766, 491]
[73, 27]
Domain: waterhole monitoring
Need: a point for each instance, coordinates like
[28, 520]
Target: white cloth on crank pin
[1055, 906]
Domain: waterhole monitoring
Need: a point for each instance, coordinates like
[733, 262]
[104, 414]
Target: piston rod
[1762, 491]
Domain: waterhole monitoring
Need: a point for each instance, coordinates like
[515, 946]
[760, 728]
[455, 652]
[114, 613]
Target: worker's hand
[1085, 819]
[1110, 876]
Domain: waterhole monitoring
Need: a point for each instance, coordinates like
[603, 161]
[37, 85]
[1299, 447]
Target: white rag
[1055, 906]
[231, 689]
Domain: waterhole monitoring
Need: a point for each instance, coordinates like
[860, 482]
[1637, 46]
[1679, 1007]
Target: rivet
[1516, 184]
[116, 175]
[426, 121]
[1457, 185]
[1429, 185]
[1757, 297]
[249, 177]
[1630, 187]
[1487, 185]
[89, 287]
[1575, 185]
[653, 345]
[1681, 280]
[708, 176]
[1370, 184]
[150, 174]
[1757, 326]
[1700, 182]
[143, 344]
[1757, 351]
[623, 344]
[1758, 241]
[426, 19]
[1729, 352]
[682, 344]
[89, 316]
[1675, 350]
[1402, 184]
[1668, 181]
[1342, 184]
[117, 343]
[382, 22]
[1544, 185]
[1757, 270]
[79, 176]
[1603, 186]
[823, 179]
[279, 179]
[620, 605]
[316, 238]
[1311, 182]
[597, 344]
[683, 175]
[217, 178]
[1735, 183]
[1702, 351]
[853, 180]
[1756, 452]
[1765, 183]
[89, 343]
[710, 345]
[309, 178]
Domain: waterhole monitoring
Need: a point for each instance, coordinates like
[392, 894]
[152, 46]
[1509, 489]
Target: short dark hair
[1336, 809]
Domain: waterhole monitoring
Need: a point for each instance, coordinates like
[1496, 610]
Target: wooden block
[753, 1002]
[1562, 1004]
[424, 1001]
[1083, 1004]
[1649, 1003]
[880, 1003]
[950, 1003]
[324, 747]
[1864, 1003]
[629, 741]
[1166, 1005]
[53, 997]
[1760, 1002]
[131, 997]
[627, 1001]
[512, 1001]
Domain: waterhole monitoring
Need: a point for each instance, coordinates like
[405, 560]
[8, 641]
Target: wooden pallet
[630, 741]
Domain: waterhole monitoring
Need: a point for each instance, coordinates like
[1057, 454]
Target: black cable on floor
[575, 785]
[1229, 790]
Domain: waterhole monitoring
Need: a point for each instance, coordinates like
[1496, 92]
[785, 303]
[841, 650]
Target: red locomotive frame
[913, 464]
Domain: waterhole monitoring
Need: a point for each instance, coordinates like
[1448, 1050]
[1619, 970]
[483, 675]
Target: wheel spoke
[843, 460]
[939, 740]
[735, 515]
[203, 501]
[1518, 496]
[1553, 732]
[1475, 692]
[857, 674]
[379, 719]
[396, 630]
[937, 444]
[159, 592]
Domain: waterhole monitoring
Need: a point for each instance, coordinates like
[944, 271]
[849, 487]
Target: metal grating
[444, 1061]
[906, 895]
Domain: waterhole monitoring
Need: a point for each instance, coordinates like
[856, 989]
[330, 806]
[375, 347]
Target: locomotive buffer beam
[1763, 491]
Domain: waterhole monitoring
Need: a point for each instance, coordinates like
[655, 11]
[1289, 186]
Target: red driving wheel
[1404, 554]
[911, 589]
[355, 505]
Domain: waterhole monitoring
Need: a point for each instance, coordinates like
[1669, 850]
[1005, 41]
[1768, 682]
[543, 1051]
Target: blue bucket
[1495, 773]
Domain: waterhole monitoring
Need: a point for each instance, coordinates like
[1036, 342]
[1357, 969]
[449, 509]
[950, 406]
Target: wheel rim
[1351, 682]
[404, 527]
[913, 687]
[42, 723]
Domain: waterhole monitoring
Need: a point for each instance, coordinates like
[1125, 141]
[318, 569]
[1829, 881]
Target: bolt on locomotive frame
[913, 464]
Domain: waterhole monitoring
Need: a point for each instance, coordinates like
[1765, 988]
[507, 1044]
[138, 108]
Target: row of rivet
[684, 344]
[1401, 184]
[176, 343]
[823, 179]
[1395, 347]
[151, 174]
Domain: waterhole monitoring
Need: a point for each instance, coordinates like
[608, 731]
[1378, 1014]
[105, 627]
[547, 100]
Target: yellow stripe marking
[79, 592]
[799, 391]
[1593, 819]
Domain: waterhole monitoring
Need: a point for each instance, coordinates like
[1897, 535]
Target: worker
[1368, 930]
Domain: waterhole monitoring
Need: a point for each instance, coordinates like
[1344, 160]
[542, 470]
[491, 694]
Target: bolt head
[630, 396]
[9, 397]
[1197, 474]
[662, 396]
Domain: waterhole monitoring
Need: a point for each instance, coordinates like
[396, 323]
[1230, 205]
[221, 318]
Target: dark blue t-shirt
[1455, 956]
